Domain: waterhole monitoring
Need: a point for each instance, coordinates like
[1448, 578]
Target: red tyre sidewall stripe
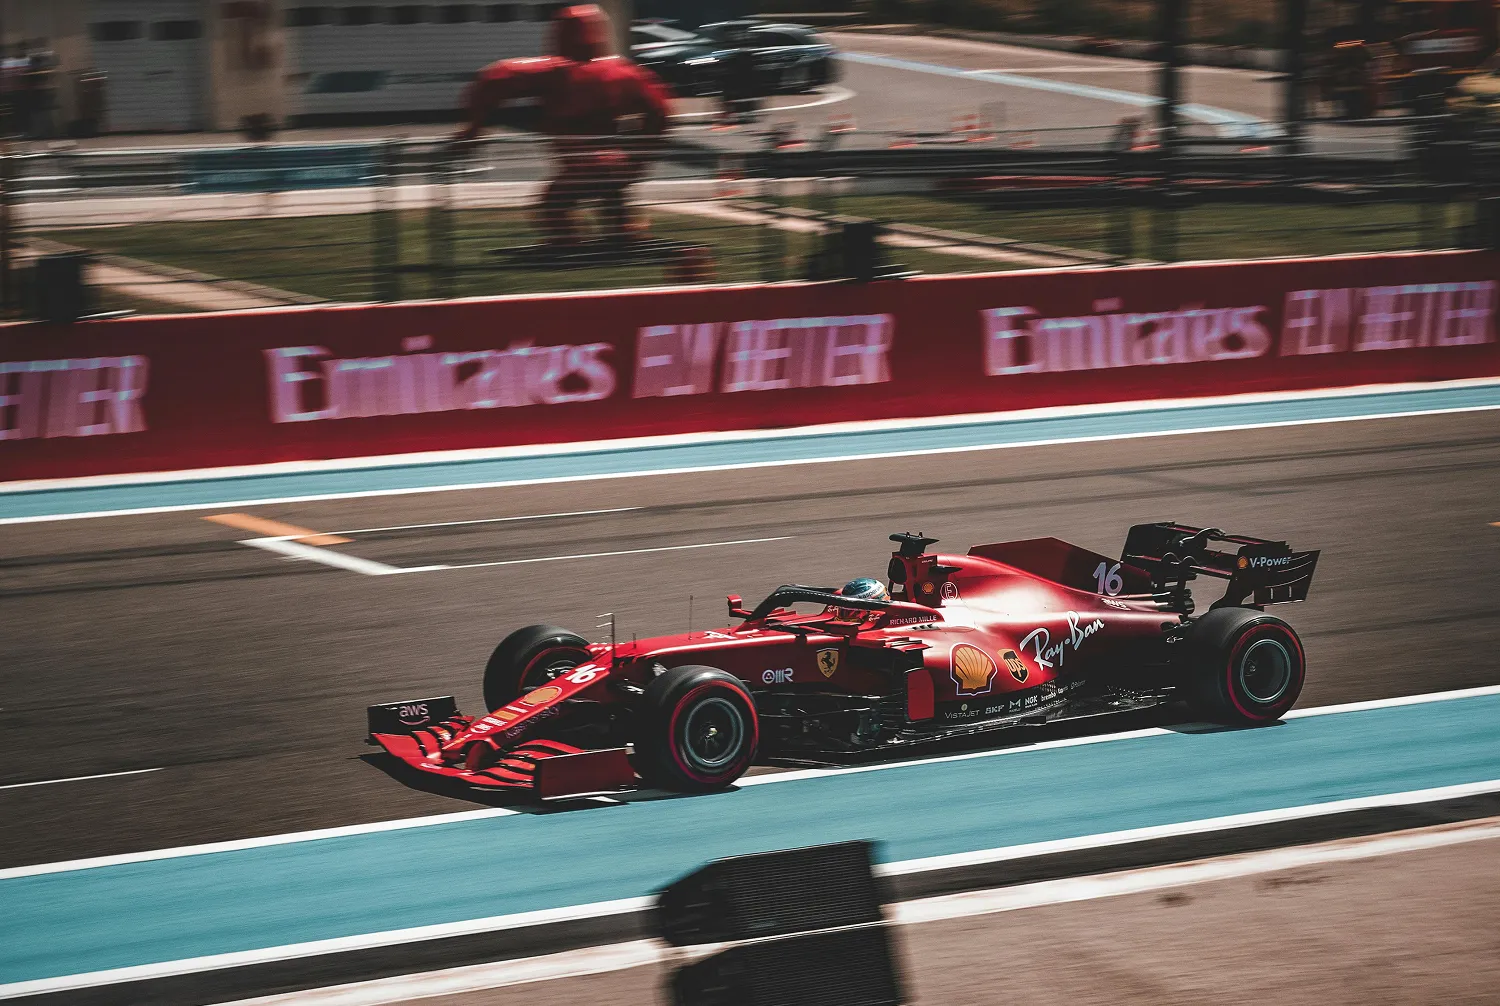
[682, 703]
[1246, 637]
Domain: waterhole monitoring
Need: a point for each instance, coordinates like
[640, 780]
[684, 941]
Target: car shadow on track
[517, 800]
[1176, 720]
[1217, 728]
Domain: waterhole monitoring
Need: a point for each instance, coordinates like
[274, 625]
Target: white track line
[78, 778]
[235, 845]
[733, 436]
[489, 520]
[833, 95]
[639, 953]
[245, 958]
[1348, 707]
[1229, 822]
[798, 775]
[1155, 878]
[476, 978]
[297, 550]
[241, 844]
[603, 555]
[1397, 702]
[727, 439]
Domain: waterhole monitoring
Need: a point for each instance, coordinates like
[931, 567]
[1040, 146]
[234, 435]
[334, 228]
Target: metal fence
[243, 227]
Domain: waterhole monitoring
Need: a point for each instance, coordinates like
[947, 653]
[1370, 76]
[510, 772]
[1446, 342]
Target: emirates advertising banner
[166, 393]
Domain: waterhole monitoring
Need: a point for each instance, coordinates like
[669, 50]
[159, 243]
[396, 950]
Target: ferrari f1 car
[1012, 634]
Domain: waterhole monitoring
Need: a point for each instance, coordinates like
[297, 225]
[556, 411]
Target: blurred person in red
[604, 112]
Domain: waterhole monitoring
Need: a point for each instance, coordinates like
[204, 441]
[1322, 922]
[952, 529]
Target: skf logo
[828, 662]
[1015, 664]
[973, 670]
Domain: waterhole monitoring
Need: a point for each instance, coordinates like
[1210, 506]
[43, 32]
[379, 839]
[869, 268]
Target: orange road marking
[275, 529]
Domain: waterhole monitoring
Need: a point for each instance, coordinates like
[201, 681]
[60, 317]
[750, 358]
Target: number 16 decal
[1109, 579]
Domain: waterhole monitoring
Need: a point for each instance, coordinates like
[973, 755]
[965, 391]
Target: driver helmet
[866, 587]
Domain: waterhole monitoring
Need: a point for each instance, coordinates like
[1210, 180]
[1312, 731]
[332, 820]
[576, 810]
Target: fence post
[9, 300]
[439, 223]
[772, 238]
[1434, 217]
[1164, 226]
[1122, 226]
[385, 257]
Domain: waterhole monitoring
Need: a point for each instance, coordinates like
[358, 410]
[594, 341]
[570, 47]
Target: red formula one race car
[1013, 634]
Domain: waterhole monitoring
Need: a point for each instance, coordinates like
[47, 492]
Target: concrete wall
[246, 46]
[620, 13]
[247, 62]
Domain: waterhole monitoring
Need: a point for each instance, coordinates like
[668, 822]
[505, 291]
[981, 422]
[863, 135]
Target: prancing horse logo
[828, 662]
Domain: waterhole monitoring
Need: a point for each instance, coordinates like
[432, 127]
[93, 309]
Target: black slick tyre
[1246, 667]
[697, 730]
[529, 658]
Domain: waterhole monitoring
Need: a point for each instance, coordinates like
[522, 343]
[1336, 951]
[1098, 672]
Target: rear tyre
[697, 730]
[529, 658]
[1246, 666]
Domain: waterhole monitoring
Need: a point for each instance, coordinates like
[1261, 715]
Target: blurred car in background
[1410, 55]
[778, 58]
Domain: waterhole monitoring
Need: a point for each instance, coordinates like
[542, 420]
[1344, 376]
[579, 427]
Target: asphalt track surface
[240, 677]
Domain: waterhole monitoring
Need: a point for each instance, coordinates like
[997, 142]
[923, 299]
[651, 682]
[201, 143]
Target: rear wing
[1260, 570]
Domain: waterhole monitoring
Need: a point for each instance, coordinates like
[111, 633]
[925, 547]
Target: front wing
[540, 767]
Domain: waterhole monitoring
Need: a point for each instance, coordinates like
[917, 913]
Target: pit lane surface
[160, 642]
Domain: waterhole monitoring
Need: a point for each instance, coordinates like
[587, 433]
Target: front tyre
[529, 658]
[1246, 666]
[697, 731]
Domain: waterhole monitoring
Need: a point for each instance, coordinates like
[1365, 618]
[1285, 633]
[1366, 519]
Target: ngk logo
[307, 385]
[763, 355]
[1017, 340]
[72, 398]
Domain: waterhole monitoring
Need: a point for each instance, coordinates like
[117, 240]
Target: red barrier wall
[159, 393]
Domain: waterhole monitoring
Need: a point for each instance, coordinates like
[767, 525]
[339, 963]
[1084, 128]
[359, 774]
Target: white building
[208, 64]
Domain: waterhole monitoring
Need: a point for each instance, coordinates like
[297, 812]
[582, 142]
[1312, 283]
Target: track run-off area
[184, 787]
[76, 925]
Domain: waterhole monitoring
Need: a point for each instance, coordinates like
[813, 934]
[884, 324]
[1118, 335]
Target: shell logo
[541, 696]
[1243, 563]
[973, 670]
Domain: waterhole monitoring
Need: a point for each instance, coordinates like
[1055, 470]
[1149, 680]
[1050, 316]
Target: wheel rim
[1265, 671]
[713, 734]
[547, 666]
